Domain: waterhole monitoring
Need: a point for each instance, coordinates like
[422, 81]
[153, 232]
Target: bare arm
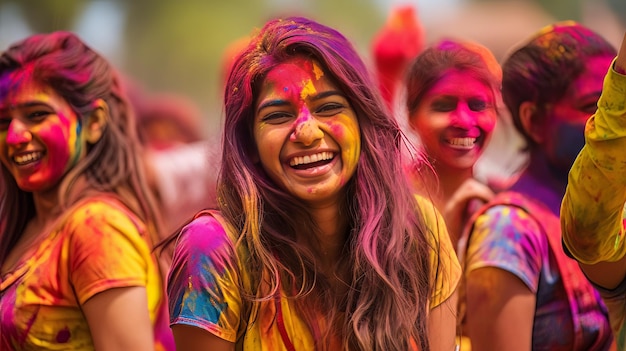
[606, 274]
[601, 269]
[190, 338]
[119, 320]
[620, 62]
[500, 311]
[442, 325]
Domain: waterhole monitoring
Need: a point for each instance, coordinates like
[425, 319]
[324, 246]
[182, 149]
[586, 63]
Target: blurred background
[179, 46]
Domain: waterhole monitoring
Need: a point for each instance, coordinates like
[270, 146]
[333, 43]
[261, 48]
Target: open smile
[462, 143]
[311, 161]
[27, 158]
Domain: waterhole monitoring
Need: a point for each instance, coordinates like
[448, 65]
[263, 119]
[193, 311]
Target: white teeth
[467, 142]
[27, 158]
[303, 160]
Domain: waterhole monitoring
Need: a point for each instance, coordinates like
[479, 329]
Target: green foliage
[178, 45]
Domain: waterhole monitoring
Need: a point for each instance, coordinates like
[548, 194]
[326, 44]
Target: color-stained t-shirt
[99, 245]
[508, 238]
[592, 212]
[203, 291]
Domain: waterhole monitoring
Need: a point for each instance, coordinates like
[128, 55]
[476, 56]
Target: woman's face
[39, 136]
[455, 120]
[563, 133]
[307, 134]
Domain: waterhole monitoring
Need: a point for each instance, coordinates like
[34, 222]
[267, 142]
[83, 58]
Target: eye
[4, 123]
[329, 109]
[477, 105]
[444, 105]
[277, 117]
[38, 115]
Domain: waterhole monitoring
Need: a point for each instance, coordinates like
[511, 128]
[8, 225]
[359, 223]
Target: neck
[542, 182]
[539, 167]
[46, 206]
[331, 234]
[449, 182]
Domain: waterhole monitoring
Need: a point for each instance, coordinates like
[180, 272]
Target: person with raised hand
[519, 284]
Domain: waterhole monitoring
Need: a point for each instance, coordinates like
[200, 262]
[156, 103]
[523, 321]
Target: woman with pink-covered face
[77, 221]
[453, 90]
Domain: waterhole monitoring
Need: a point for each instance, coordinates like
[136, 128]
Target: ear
[97, 121]
[527, 115]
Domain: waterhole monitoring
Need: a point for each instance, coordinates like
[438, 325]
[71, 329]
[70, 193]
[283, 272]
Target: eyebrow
[25, 104]
[281, 102]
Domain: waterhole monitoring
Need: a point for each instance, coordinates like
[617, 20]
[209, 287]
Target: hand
[455, 210]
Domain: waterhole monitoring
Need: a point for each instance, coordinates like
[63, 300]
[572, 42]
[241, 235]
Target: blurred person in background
[452, 97]
[182, 161]
[394, 45]
[519, 285]
[170, 128]
[453, 90]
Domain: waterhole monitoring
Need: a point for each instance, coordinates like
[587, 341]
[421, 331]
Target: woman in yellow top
[318, 243]
[76, 218]
[592, 215]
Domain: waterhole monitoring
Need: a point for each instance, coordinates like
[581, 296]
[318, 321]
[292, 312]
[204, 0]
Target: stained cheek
[487, 121]
[268, 143]
[569, 139]
[60, 146]
[347, 133]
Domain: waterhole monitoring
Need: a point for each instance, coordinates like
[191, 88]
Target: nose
[18, 133]
[464, 117]
[306, 129]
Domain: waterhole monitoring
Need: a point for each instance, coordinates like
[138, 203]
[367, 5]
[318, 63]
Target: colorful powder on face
[308, 89]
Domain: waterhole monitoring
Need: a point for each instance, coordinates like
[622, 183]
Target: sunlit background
[178, 45]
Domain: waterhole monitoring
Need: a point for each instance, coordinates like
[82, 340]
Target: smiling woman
[76, 218]
[453, 90]
[317, 242]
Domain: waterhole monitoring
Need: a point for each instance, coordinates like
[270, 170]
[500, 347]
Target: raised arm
[592, 208]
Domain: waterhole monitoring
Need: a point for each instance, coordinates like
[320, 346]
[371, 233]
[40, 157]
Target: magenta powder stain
[63, 335]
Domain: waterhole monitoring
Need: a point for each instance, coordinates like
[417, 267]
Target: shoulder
[510, 211]
[445, 267]
[508, 237]
[432, 217]
[206, 231]
[103, 218]
[206, 240]
[97, 211]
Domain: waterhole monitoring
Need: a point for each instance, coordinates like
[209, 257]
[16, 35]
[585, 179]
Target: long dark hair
[61, 61]
[388, 247]
[543, 69]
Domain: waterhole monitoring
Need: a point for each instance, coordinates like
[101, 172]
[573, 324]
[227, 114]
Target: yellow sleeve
[592, 208]
[445, 267]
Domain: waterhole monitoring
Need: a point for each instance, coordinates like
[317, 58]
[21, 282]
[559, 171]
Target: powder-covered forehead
[486, 56]
[11, 81]
[570, 41]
